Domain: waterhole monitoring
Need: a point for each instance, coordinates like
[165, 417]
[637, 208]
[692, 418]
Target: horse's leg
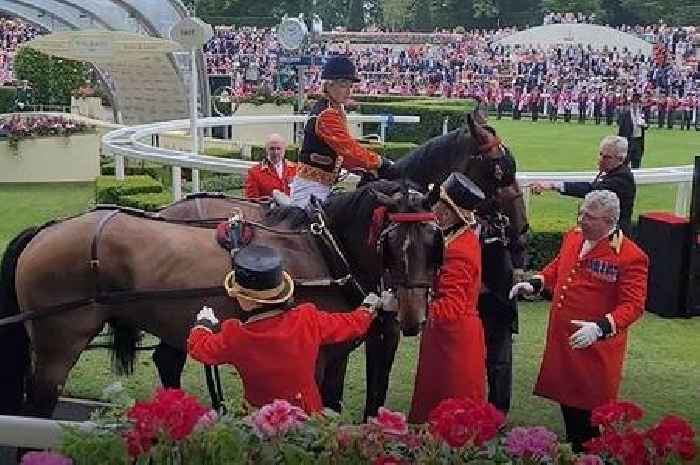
[53, 362]
[380, 349]
[170, 363]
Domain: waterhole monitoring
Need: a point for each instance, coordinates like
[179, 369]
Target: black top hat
[339, 67]
[258, 276]
[636, 96]
[462, 194]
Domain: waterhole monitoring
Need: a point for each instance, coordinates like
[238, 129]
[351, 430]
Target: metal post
[177, 183]
[382, 130]
[119, 167]
[444, 125]
[194, 130]
[683, 198]
[526, 198]
[300, 78]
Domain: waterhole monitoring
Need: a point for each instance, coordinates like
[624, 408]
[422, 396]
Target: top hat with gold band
[258, 276]
[463, 195]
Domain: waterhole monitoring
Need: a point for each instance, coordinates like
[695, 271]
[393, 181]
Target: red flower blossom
[628, 448]
[616, 415]
[673, 435]
[386, 460]
[465, 422]
[390, 423]
[171, 412]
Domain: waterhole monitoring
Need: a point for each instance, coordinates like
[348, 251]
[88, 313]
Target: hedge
[432, 116]
[8, 95]
[109, 190]
[150, 202]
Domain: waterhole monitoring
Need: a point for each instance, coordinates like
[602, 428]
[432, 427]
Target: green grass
[662, 372]
[23, 205]
[663, 366]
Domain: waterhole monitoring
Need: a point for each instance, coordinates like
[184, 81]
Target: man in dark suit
[614, 175]
[632, 125]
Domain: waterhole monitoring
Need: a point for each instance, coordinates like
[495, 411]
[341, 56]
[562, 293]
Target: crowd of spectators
[569, 18]
[13, 32]
[553, 80]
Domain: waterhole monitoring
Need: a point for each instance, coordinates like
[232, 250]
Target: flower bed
[174, 429]
[48, 149]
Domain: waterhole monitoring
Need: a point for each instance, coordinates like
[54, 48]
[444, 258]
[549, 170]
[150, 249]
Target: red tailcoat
[452, 360]
[609, 282]
[262, 179]
[276, 356]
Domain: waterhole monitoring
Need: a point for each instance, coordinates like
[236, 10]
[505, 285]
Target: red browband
[412, 217]
[490, 145]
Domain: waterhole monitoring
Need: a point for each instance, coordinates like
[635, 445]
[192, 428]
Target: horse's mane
[351, 212]
[433, 161]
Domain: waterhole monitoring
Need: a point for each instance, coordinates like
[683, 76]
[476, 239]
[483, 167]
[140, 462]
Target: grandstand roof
[586, 34]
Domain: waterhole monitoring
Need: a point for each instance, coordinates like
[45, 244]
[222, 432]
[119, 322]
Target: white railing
[37, 433]
[127, 143]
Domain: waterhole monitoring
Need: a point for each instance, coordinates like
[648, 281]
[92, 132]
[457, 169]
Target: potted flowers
[173, 428]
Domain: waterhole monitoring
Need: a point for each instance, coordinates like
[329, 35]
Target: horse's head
[410, 247]
[492, 166]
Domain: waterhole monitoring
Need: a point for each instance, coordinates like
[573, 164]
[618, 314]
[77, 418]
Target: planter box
[51, 159]
[255, 134]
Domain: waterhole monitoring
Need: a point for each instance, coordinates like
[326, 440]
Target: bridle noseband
[395, 220]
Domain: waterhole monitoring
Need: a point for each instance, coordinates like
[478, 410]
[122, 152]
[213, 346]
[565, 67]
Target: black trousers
[498, 332]
[634, 151]
[578, 426]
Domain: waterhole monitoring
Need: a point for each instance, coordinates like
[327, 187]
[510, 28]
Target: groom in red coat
[599, 287]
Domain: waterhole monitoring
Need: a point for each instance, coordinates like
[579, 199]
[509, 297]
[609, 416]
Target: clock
[291, 33]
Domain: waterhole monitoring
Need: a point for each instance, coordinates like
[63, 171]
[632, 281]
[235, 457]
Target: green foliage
[485, 9]
[93, 448]
[422, 16]
[109, 190]
[542, 248]
[7, 99]
[53, 79]
[356, 16]
[149, 202]
[565, 6]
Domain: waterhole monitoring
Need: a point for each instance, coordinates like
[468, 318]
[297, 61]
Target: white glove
[206, 313]
[587, 334]
[372, 302]
[521, 288]
[389, 302]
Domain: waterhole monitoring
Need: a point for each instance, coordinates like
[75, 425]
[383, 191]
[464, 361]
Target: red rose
[617, 415]
[465, 422]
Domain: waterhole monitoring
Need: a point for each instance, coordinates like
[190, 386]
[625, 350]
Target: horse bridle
[395, 220]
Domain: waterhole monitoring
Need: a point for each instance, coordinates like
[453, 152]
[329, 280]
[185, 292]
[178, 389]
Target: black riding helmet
[339, 67]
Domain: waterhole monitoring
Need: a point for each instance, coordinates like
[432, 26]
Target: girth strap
[94, 249]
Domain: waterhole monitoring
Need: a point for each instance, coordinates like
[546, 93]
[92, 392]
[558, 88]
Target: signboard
[191, 32]
[300, 60]
[102, 47]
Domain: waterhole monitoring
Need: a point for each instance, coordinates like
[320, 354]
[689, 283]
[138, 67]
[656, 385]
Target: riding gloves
[372, 303]
[390, 303]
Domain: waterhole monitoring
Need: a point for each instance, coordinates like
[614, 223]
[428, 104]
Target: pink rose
[206, 421]
[277, 418]
[391, 423]
[45, 458]
[589, 459]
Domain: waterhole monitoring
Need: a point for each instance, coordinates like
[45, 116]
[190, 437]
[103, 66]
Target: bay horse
[65, 280]
[472, 150]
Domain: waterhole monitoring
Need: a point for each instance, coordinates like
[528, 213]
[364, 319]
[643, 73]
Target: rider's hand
[521, 288]
[518, 275]
[386, 168]
[206, 314]
[390, 303]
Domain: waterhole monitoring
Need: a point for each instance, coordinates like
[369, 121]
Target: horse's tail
[124, 340]
[13, 338]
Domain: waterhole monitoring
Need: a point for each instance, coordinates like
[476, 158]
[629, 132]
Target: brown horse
[65, 280]
[471, 150]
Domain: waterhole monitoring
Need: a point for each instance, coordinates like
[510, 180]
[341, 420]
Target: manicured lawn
[663, 365]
